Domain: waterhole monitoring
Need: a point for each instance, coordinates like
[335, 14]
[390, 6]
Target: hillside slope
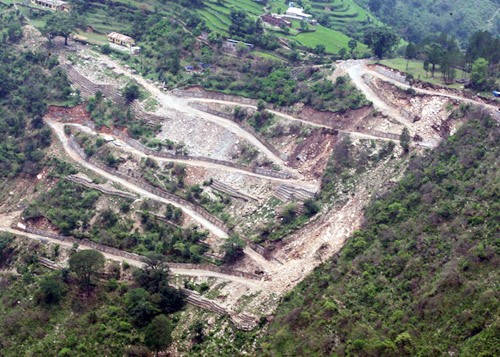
[415, 20]
[421, 277]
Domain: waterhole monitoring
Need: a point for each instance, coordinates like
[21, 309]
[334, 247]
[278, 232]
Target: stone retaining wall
[135, 257]
[136, 178]
[205, 108]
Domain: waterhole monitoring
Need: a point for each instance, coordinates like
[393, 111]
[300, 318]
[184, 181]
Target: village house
[276, 20]
[297, 13]
[122, 40]
[54, 5]
[232, 45]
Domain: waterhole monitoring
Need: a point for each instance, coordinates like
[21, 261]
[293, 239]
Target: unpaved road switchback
[59, 130]
[176, 104]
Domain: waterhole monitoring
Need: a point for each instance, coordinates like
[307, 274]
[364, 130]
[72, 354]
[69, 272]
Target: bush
[131, 92]
[106, 49]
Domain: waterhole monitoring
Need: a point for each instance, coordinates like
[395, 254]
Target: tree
[304, 25]
[5, 240]
[426, 67]
[479, 74]
[60, 24]
[352, 45]
[343, 53]
[410, 53]
[404, 343]
[233, 249]
[86, 264]
[139, 306]
[14, 32]
[310, 207]
[51, 290]
[241, 24]
[483, 44]
[380, 40]
[154, 278]
[106, 49]
[434, 53]
[320, 49]
[289, 212]
[447, 65]
[131, 92]
[261, 105]
[238, 113]
[158, 334]
[405, 139]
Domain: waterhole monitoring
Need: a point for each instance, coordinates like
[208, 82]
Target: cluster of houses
[292, 13]
[123, 42]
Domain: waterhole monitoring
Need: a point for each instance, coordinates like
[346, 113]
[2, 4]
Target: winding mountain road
[180, 105]
[310, 186]
[291, 118]
[59, 130]
[137, 262]
[356, 69]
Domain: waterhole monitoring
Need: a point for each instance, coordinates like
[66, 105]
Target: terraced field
[216, 15]
[346, 16]
[332, 40]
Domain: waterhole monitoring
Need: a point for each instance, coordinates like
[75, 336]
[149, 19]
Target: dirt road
[291, 118]
[180, 105]
[430, 92]
[356, 70]
[310, 186]
[59, 130]
[138, 263]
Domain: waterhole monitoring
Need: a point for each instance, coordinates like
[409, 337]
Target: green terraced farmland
[344, 16]
[331, 39]
[216, 15]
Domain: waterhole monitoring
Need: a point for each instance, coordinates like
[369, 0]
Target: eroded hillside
[243, 198]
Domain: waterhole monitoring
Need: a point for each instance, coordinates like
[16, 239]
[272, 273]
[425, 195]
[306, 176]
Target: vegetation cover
[84, 310]
[419, 278]
[415, 20]
[70, 208]
[28, 81]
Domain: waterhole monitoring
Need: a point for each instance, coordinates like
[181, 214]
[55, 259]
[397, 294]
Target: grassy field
[216, 22]
[267, 55]
[94, 38]
[341, 15]
[416, 68]
[332, 40]
[216, 15]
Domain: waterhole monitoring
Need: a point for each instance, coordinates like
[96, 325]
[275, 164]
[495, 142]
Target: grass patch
[332, 40]
[416, 68]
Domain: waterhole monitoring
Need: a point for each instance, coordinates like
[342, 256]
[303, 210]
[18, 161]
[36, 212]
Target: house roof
[54, 2]
[298, 11]
[120, 37]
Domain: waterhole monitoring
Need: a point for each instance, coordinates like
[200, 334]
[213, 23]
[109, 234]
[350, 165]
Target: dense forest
[415, 20]
[74, 312]
[28, 81]
[419, 278]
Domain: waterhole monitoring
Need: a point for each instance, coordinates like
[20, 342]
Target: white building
[297, 13]
[55, 5]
